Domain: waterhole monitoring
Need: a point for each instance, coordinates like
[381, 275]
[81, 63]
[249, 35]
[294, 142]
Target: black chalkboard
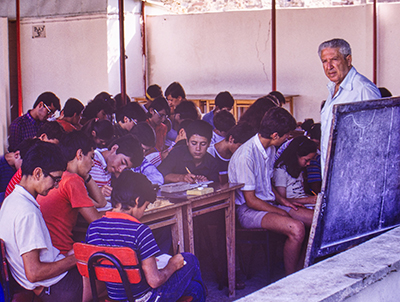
[360, 197]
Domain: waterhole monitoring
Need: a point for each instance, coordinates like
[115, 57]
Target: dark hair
[153, 91]
[184, 124]
[52, 129]
[240, 133]
[24, 146]
[95, 106]
[175, 90]
[224, 120]
[103, 128]
[131, 110]
[48, 98]
[72, 106]
[118, 101]
[159, 104]
[298, 147]
[105, 96]
[43, 155]
[187, 109]
[277, 120]
[74, 141]
[201, 128]
[254, 114]
[315, 132]
[129, 146]
[224, 100]
[145, 134]
[278, 97]
[307, 124]
[128, 187]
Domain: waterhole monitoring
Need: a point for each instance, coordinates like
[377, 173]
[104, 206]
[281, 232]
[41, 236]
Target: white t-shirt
[252, 165]
[294, 186]
[23, 229]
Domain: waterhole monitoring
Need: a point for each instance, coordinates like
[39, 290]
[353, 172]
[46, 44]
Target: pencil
[188, 170]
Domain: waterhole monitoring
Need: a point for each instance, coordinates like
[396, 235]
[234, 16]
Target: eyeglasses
[54, 178]
[49, 112]
[161, 115]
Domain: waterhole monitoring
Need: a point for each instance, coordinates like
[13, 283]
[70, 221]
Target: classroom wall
[4, 87]
[231, 51]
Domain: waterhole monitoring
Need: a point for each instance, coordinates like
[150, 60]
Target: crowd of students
[110, 155]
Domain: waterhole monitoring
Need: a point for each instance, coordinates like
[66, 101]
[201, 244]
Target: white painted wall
[4, 84]
[71, 61]
[209, 53]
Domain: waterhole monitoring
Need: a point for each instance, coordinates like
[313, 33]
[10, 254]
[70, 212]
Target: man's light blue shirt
[354, 88]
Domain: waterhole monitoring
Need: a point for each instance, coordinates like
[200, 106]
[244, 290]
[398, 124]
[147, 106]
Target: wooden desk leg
[177, 233]
[230, 243]
[187, 219]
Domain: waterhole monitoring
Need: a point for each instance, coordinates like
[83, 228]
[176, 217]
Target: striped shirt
[99, 171]
[150, 171]
[119, 229]
[15, 180]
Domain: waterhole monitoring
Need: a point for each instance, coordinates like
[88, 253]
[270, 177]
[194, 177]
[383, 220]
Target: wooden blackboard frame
[320, 243]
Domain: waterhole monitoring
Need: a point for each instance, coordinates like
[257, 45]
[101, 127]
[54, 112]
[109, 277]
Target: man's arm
[172, 177]
[155, 277]
[99, 201]
[90, 214]
[35, 270]
[303, 200]
[256, 203]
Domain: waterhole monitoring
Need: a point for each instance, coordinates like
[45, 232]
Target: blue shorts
[250, 218]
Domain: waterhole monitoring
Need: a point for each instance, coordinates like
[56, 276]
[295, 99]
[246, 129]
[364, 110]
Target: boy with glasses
[34, 262]
[27, 126]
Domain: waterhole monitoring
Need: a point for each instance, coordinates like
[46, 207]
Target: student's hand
[106, 190]
[177, 261]
[164, 153]
[190, 178]
[287, 203]
[201, 178]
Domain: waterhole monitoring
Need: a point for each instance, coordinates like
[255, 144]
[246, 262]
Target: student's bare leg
[303, 214]
[294, 230]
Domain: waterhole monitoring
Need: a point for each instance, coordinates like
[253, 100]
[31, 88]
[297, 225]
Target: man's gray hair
[344, 47]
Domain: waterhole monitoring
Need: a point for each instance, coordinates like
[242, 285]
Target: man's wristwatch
[88, 179]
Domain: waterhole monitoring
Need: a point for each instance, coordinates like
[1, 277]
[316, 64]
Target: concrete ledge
[343, 276]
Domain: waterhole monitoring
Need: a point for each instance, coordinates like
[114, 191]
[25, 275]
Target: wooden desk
[222, 198]
[206, 102]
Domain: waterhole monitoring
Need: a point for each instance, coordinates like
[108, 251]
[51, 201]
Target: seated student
[191, 163]
[71, 115]
[252, 164]
[123, 153]
[101, 108]
[223, 151]
[155, 158]
[254, 114]
[174, 94]
[101, 131]
[145, 135]
[152, 92]
[223, 122]
[118, 101]
[288, 174]
[131, 195]
[11, 162]
[61, 206]
[223, 101]
[34, 262]
[314, 177]
[51, 132]
[27, 126]
[127, 118]
[158, 112]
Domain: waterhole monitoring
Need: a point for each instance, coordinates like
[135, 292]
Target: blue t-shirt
[118, 229]
[6, 173]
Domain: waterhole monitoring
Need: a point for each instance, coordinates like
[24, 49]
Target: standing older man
[346, 85]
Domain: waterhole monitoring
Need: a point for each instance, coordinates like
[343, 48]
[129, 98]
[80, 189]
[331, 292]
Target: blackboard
[360, 196]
